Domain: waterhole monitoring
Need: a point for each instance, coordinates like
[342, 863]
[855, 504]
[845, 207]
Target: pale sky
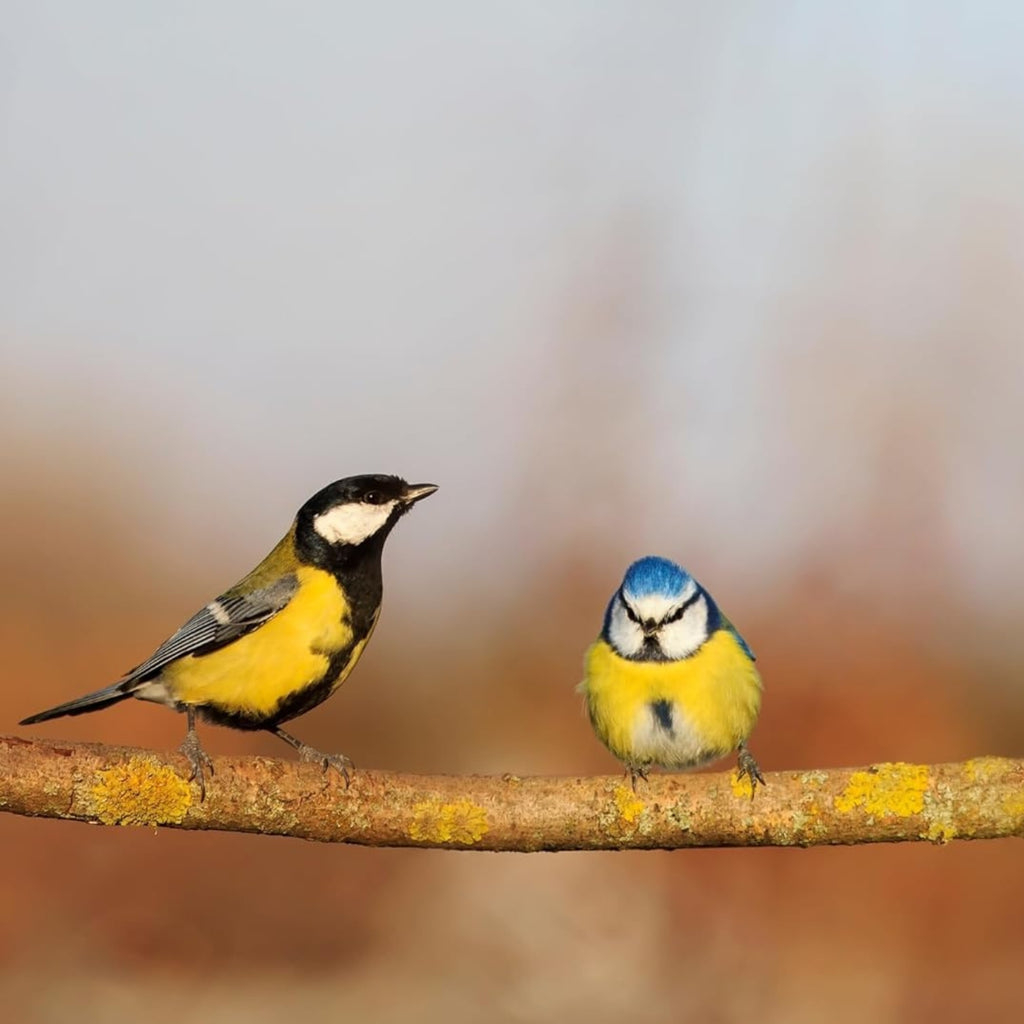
[682, 272]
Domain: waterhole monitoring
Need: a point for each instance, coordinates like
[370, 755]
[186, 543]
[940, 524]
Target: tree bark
[978, 799]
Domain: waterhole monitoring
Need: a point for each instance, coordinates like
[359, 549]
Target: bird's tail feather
[80, 705]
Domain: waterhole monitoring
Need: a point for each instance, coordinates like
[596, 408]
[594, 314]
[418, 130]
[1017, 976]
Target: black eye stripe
[684, 607]
[674, 617]
[630, 614]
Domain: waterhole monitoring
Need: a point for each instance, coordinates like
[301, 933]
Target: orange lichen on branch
[979, 799]
[897, 789]
[460, 823]
[140, 791]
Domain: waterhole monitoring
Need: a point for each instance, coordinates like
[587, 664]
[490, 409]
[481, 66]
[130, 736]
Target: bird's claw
[339, 762]
[636, 771]
[747, 767]
[199, 761]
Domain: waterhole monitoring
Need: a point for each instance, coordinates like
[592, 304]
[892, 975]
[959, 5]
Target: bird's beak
[416, 492]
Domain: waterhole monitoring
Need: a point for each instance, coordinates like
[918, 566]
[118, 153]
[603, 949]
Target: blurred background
[736, 283]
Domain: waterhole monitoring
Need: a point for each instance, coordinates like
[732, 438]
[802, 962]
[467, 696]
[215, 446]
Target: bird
[670, 681]
[286, 636]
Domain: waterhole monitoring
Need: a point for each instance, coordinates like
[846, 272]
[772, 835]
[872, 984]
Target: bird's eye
[630, 614]
[675, 616]
[373, 498]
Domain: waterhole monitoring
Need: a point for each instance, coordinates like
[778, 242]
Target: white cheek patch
[352, 524]
[677, 640]
[680, 639]
[624, 634]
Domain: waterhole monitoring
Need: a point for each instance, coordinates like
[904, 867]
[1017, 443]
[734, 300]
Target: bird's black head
[353, 517]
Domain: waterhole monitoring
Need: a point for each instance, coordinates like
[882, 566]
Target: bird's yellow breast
[715, 696]
[288, 653]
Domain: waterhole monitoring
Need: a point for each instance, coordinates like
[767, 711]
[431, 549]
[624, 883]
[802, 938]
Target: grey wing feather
[221, 621]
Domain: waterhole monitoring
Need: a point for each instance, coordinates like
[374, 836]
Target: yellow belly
[714, 695]
[288, 653]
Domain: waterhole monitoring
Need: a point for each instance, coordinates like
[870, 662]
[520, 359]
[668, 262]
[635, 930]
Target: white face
[678, 635]
[353, 523]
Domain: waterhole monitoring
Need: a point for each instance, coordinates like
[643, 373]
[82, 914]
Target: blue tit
[670, 682]
[287, 635]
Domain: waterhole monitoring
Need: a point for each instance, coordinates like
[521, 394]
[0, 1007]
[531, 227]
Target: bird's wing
[232, 615]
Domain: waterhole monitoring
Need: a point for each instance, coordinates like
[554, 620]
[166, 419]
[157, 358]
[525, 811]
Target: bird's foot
[199, 761]
[636, 771]
[747, 767]
[339, 762]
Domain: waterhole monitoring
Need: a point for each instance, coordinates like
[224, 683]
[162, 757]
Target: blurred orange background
[734, 284]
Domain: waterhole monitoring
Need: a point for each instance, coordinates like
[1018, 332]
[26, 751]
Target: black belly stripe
[305, 700]
[291, 706]
[662, 710]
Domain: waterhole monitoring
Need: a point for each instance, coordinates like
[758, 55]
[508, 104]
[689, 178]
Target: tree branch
[978, 799]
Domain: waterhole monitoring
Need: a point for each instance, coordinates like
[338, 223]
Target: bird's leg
[636, 771]
[196, 756]
[339, 762]
[748, 767]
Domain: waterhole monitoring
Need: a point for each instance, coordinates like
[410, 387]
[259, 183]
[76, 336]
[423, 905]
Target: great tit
[670, 682]
[284, 638]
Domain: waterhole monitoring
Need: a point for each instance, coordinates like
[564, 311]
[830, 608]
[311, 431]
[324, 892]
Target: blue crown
[654, 575]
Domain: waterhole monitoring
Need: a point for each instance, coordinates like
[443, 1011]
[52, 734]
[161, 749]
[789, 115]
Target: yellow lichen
[629, 804]
[1013, 807]
[742, 785]
[896, 789]
[461, 822]
[983, 769]
[140, 792]
[940, 832]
